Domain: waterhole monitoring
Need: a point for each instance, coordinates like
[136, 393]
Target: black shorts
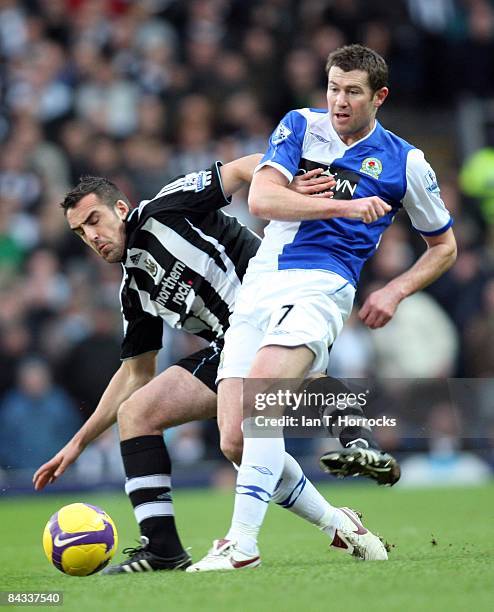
[204, 364]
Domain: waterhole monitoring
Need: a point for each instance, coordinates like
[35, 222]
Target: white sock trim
[154, 481]
[329, 519]
[150, 509]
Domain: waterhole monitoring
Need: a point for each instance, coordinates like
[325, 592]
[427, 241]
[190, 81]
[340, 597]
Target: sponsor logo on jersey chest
[173, 287]
[346, 181]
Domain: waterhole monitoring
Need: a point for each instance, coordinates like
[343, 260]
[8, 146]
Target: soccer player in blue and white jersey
[299, 288]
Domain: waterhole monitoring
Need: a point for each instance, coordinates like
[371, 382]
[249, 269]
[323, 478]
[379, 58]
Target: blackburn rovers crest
[372, 166]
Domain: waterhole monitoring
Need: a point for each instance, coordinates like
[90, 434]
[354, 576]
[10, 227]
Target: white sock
[261, 468]
[296, 493]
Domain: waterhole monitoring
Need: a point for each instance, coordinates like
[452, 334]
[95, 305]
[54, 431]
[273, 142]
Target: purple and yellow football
[80, 539]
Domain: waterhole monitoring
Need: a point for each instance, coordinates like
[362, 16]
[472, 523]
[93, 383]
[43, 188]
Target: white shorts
[286, 308]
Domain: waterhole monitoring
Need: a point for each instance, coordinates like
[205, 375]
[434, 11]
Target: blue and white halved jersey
[381, 164]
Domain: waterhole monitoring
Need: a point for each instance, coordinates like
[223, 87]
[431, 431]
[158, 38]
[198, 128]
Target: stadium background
[141, 91]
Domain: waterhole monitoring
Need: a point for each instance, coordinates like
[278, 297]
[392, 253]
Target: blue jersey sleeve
[285, 145]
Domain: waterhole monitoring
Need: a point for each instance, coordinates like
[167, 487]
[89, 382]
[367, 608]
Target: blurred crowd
[139, 92]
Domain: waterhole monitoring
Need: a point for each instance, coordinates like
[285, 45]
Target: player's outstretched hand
[379, 307]
[367, 210]
[314, 183]
[51, 470]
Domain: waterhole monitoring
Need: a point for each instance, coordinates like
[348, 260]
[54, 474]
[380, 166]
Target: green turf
[298, 572]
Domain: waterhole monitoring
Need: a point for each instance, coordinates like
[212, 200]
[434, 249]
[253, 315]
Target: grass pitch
[443, 557]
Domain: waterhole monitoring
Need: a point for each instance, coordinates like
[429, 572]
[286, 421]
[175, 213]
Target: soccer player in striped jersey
[183, 261]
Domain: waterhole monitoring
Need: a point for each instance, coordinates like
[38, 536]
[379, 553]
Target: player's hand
[367, 210]
[379, 307]
[51, 470]
[314, 183]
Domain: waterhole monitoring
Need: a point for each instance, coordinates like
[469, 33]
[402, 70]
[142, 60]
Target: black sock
[148, 485]
[347, 422]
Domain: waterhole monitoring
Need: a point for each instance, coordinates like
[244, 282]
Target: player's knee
[132, 411]
[231, 447]
[138, 416]
[126, 412]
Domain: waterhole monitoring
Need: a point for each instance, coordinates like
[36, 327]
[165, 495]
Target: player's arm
[238, 173]
[381, 305]
[429, 216]
[132, 375]
[270, 198]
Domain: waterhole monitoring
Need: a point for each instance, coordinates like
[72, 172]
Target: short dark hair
[358, 57]
[106, 191]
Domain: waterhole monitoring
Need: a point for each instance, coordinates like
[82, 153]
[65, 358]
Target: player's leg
[287, 351]
[263, 458]
[360, 453]
[230, 416]
[342, 525]
[294, 491]
[269, 473]
[174, 397]
[294, 343]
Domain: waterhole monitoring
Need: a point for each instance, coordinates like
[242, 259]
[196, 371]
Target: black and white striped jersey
[183, 264]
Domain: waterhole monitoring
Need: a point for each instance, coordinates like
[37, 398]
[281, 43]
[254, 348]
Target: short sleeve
[143, 332]
[285, 145]
[196, 192]
[422, 199]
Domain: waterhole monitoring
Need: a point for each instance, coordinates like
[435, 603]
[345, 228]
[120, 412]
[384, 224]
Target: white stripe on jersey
[203, 316]
[198, 312]
[153, 308]
[170, 188]
[167, 189]
[194, 258]
[124, 280]
[230, 267]
[185, 183]
[147, 482]
[194, 325]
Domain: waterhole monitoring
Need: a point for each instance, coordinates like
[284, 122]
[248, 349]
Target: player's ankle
[330, 521]
[245, 539]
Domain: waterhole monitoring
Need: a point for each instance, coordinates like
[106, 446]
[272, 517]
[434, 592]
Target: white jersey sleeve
[422, 199]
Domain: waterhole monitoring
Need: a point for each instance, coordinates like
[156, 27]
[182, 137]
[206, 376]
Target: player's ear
[122, 209]
[379, 96]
